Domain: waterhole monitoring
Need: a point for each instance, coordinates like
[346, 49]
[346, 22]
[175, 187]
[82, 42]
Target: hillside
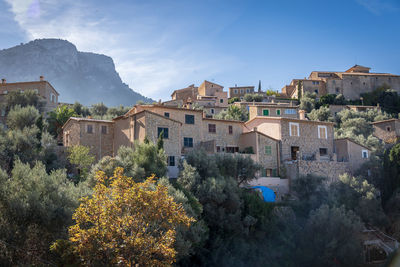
[78, 76]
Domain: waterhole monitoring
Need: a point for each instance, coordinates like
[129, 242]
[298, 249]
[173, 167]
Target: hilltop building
[43, 88]
[350, 83]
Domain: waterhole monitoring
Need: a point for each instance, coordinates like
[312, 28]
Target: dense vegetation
[50, 199]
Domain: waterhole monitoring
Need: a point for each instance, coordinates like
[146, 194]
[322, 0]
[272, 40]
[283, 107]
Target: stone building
[266, 151]
[348, 150]
[350, 83]
[304, 146]
[209, 97]
[98, 135]
[388, 130]
[240, 91]
[273, 110]
[44, 89]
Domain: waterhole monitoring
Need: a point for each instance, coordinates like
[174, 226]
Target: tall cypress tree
[259, 86]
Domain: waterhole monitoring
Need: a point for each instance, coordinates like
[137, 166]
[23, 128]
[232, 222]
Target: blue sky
[159, 46]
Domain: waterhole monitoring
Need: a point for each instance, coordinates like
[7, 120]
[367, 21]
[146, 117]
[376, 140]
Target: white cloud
[143, 56]
[377, 7]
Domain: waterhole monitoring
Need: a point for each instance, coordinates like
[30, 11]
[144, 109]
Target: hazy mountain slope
[78, 76]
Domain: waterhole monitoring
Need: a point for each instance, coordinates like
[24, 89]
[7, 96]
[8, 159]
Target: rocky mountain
[78, 76]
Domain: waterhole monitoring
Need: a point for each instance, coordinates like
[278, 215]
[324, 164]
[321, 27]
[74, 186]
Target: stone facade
[185, 94]
[98, 135]
[387, 130]
[240, 91]
[266, 151]
[329, 169]
[348, 150]
[226, 135]
[351, 83]
[44, 89]
[273, 110]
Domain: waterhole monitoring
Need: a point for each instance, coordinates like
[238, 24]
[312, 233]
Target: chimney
[41, 78]
[3, 81]
[302, 114]
[255, 129]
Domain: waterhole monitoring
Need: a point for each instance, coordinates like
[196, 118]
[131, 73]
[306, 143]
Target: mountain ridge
[85, 77]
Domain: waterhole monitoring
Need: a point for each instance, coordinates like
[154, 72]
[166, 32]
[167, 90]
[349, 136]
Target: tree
[24, 99]
[58, 118]
[233, 113]
[233, 100]
[135, 226]
[331, 237]
[80, 110]
[117, 111]
[35, 209]
[321, 114]
[99, 109]
[80, 156]
[20, 117]
[299, 90]
[160, 141]
[307, 102]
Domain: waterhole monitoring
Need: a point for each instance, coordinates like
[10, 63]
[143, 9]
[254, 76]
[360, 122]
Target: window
[322, 132]
[248, 90]
[388, 129]
[164, 131]
[323, 151]
[103, 129]
[268, 150]
[294, 129]
[265, 112]
[337, 90]
[89, 128]
[171, 160]
[188, 142]
[5, 92]
[212, 128]
[221, 101]
[230, 129]
[278, 112]
[166, 114]
[189, 119]
[52, 98]
[364, 154]
[235, 91]
[290, 111]
[316, 91]
[218, 149]
[212, 111]
[232, 149]
[241, 91]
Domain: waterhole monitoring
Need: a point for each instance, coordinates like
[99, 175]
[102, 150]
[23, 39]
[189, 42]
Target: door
[294, 150]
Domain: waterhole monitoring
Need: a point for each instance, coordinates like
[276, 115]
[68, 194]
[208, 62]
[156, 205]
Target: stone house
[304, 146]
[185, 94]
[240, 91]
[98, 135]
[273, 110]
[44, 89]
[347, 150]
[388, 130]
[266, 151]
[351, 83]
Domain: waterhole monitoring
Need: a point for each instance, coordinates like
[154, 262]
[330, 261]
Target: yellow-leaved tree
[127, 223]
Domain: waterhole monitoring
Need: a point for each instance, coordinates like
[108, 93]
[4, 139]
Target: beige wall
[100, 144]
[240, 91]
[222, 137]
[43, 88]
[351, 152]
[388, 131]
[258, 110]
[266, 126]
[209, 89]
[308, 141]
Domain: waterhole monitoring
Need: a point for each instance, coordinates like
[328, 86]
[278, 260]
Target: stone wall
[222, 137]
[329, 169]
[387, 131]
[308, 141]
